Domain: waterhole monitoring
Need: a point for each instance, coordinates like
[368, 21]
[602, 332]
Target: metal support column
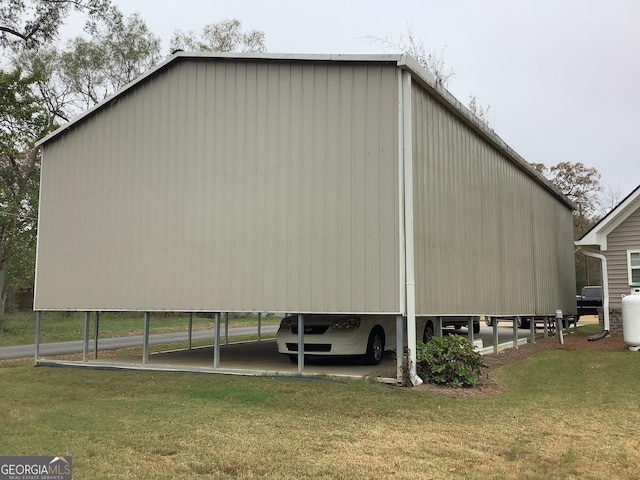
[38, 320]
[145, 338]
[226, 328]
[438, 332]
[470, 329]
[545, 328]
[85, 344]
[190, 330]
[532, 329]
[494, 324]
[96, 333]
[216, 342]
[300, 343]
[516, 320]
[399, 348]
[259, 326]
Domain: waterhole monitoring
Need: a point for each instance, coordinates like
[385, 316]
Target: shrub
[451, 360]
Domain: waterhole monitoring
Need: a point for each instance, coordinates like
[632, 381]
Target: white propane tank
[631, 318]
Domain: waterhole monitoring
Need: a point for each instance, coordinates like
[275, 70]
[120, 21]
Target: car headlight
[345, 323]
[286, 322]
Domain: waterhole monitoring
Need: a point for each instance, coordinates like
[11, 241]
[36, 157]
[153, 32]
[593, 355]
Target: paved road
[65, 348]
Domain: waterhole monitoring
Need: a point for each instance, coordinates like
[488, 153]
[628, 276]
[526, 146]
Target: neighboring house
[617, 236]
[301, 184]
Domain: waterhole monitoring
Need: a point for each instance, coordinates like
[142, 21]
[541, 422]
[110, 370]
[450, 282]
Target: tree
[224, 36]
[431, 60]
[32, 23]
[581, 184]
[88, 70]
[22, 121]
[608, 200]
[56, 85]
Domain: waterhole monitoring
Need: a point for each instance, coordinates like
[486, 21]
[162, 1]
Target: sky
[561, 77]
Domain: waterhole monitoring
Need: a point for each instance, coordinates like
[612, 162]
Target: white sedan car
[355, 335]
[345, 335]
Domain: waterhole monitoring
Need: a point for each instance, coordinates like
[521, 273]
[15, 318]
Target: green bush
[451, 360]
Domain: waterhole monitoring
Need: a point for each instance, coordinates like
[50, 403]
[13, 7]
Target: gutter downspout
[605, 293]
[407, 171]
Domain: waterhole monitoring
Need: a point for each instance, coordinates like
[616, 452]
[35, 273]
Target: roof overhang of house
[597, 235]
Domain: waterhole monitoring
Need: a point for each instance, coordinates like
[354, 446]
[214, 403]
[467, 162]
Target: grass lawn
[18, 328]
[563, 414]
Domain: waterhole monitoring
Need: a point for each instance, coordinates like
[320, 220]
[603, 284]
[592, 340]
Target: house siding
[624, 237]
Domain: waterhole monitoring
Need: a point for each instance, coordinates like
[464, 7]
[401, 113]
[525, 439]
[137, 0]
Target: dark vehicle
[589, 301]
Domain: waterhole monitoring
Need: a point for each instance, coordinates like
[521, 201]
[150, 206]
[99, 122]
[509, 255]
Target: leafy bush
[451, 360]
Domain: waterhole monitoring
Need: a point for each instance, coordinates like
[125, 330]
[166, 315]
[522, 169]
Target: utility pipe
[407, 159]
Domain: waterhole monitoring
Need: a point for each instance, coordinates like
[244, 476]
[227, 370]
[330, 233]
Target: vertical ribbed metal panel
[489, 239]
[228, 185]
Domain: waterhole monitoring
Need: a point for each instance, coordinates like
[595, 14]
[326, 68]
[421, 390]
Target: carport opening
[248, 347]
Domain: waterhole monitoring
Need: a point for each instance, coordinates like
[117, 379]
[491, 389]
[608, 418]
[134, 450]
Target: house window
[633, 261]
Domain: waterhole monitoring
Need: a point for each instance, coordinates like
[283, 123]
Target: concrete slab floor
[259, 356]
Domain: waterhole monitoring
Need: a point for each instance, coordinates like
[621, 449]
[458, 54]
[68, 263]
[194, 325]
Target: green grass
[18, 328]
[565, 414]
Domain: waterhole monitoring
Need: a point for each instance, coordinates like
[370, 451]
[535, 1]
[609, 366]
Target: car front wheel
[375, 347]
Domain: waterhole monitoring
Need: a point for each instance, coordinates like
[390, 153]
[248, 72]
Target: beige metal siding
[488, 238]
[623, 238]
[228, 185]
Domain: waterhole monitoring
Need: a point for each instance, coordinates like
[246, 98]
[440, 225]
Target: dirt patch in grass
[493, 362]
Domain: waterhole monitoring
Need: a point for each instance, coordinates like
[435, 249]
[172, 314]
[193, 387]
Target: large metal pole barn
[331, 184]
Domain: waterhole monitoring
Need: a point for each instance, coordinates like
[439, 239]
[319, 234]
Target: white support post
[38, 321]
[145, 338]
[96, 333]
[470, 329]
[494, 324]
[516, 320]
[216, 342]
[300, 344]
[190, 330]
[85, 344]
